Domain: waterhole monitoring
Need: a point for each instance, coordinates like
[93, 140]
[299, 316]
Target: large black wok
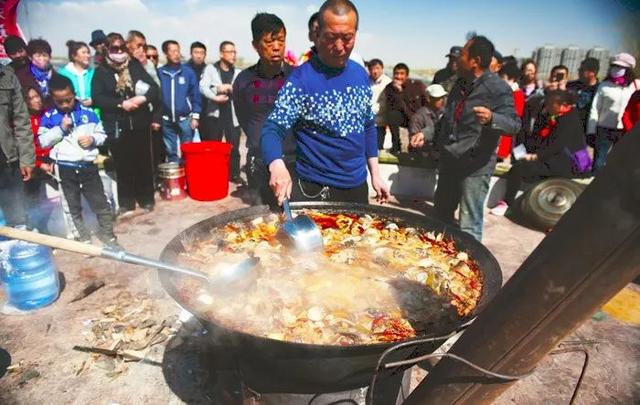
[269, 365]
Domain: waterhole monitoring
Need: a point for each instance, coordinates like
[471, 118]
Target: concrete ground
[45, 368]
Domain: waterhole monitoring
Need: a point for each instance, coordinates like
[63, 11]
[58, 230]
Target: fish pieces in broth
[375, 281]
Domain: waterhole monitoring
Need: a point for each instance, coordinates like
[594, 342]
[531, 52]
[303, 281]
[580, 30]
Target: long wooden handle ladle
[238, 272]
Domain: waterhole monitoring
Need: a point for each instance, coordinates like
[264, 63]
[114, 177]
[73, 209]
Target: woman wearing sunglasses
[127, 96]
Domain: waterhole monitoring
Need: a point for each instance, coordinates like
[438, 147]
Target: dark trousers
[382, 131]
[134, 168]
[524, 171]
[38, 207]
[85, 181]
[12, 195]
[158, 153]
[605, 139]
[396, 119]
[470, 193]
[216, 129]
[309, 191]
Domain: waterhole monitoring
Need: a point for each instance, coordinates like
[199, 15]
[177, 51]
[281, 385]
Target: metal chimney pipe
[591, 254]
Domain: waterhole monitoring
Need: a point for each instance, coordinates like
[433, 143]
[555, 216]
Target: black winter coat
[105, 97]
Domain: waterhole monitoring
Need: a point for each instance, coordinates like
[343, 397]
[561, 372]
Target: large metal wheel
[544, 204]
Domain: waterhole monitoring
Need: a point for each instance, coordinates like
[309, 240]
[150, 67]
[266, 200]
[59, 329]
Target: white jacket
[65, 143]
[209, 89]
[377, 101]
[609, 104]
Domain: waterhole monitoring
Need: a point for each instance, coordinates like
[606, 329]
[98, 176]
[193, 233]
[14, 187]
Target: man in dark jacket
[479, 109]
[17, 155]
[585, 88]
[450, 70]
[403, 97]
[16, 50]
[180, 100]
[255, 91]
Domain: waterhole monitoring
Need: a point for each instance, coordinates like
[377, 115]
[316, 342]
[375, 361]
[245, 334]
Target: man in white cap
[612, 96]
[422, 126]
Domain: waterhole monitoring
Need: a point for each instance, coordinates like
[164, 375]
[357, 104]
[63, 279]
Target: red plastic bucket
[207, 168]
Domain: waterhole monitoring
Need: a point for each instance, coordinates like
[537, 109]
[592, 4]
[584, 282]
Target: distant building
[571, 58]
[603, 55]
[548, 56]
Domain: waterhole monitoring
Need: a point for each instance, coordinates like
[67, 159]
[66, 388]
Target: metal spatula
[302, 230]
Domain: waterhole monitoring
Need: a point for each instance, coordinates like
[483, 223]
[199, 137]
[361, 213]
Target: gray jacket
[208, 88]
[424, 120]
[16, 137]
[468, 147]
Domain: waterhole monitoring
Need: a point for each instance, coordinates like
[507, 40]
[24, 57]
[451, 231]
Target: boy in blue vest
[75, 132]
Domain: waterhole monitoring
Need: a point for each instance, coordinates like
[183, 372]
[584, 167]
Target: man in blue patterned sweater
[327, 105]
[75, 132]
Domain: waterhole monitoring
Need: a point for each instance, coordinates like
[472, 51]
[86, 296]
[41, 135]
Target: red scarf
[552, 123]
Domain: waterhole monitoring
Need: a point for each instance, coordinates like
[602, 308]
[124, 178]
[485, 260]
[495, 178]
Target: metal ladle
[302, 230]
[234, 276]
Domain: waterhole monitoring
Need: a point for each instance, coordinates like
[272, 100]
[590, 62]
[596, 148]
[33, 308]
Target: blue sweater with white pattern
[329, 112]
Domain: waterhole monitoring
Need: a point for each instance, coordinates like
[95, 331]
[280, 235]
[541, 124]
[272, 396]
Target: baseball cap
[436, 91]
[454, 51]
[624, 60]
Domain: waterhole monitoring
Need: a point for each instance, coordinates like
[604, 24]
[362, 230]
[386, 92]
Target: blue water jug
[3, 222]
[30, 277]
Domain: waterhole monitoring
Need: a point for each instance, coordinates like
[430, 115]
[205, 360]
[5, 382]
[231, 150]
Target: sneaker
[500, 209]
[147, 208]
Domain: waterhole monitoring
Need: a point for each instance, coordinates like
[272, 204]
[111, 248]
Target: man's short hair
[337, 7]
[482, 49]
[135, 34]
[590, 65]
[165, 44]
[38, 45]
[312, 19]
[59, 83]
[149, 46]
[225, 43]
[401, 66]
[510, 70]
[559, 67]
[197, 45]
[13, 44]
[265, 23]
[375, 61]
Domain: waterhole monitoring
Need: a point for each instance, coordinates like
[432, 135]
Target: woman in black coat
[557, 142]
[127, 97]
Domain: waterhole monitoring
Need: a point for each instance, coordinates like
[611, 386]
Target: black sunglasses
[116, 49]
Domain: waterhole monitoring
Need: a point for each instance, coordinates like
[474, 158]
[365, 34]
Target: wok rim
[490, 269]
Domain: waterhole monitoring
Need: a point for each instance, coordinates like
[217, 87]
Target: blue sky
[418, 32]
